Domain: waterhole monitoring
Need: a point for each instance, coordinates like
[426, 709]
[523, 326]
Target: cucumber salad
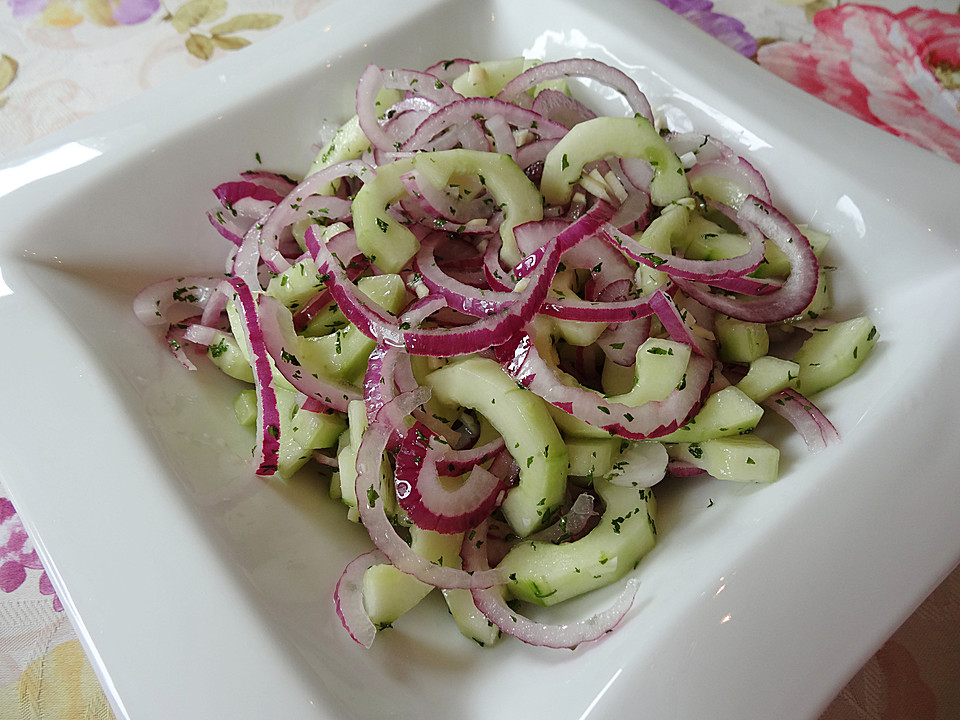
[495, 319]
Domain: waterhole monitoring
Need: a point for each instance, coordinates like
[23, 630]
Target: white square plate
[202, 592]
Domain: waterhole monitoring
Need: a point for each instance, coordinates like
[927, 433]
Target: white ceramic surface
[201, 592]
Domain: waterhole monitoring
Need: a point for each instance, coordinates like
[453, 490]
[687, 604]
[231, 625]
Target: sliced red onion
[303, 203]
[492, 603]
[430, 505]
[786, 301]
[372, 515]
[594, 311]
[246, 262]
[200, 334]
[167, 301]
[515, 90]
[282, 343]
[674, 323]
[682, 468]
[230, 228]
[229, 193]
[437, 342]
[569, 236]
[348, 597]
[267, 451]
[460, 296]
[176, 337]
[409, 81]
[676, 266]
[277, 181]
[523, 362]
[561, 108]
[814, 427]
[466, 111]
[450, 70]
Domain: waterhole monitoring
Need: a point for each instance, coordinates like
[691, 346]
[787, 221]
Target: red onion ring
[374, 519]
[348, 598]
[491, 602]
[267, 451]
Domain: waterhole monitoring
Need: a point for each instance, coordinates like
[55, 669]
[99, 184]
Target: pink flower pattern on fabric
[17, 555]
[897, 71]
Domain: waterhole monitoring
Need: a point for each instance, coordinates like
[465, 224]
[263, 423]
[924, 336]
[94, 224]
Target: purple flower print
[131, 12]
[17, 555]
[730, 31]
[127, 12]
[27, 8]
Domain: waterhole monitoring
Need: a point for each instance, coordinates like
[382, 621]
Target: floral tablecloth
[892, 64]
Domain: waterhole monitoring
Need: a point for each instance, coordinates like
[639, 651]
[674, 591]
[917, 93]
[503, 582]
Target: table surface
[61, 60]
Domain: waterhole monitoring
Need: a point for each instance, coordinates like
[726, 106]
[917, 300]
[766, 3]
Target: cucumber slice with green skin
[387, 243]
[518, 197]
[767, 376]
[487, 78]
[599, 137]
[343, 354]
[530, 435]
[745, 458]
[390, 245]
[660, 236]
[545, 573]
[726, 413]
[834, 353]
[347, 143]
[659, 369]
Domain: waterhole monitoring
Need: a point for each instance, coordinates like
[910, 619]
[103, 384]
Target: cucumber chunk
[302, 432]
[388, 592]
[226, 354]
[471, 622]
[545, 573]
[390, 245]
[768, 375]
[487, 78]
[725, 413]
[245, 407]
[531, 436]
[745, 458]
[834, 353]
[387, 243]
[591, 457]
[741, 341]
[518, 198]
[343, 354]
[296, 285]
[598, 137]
[659, 369]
